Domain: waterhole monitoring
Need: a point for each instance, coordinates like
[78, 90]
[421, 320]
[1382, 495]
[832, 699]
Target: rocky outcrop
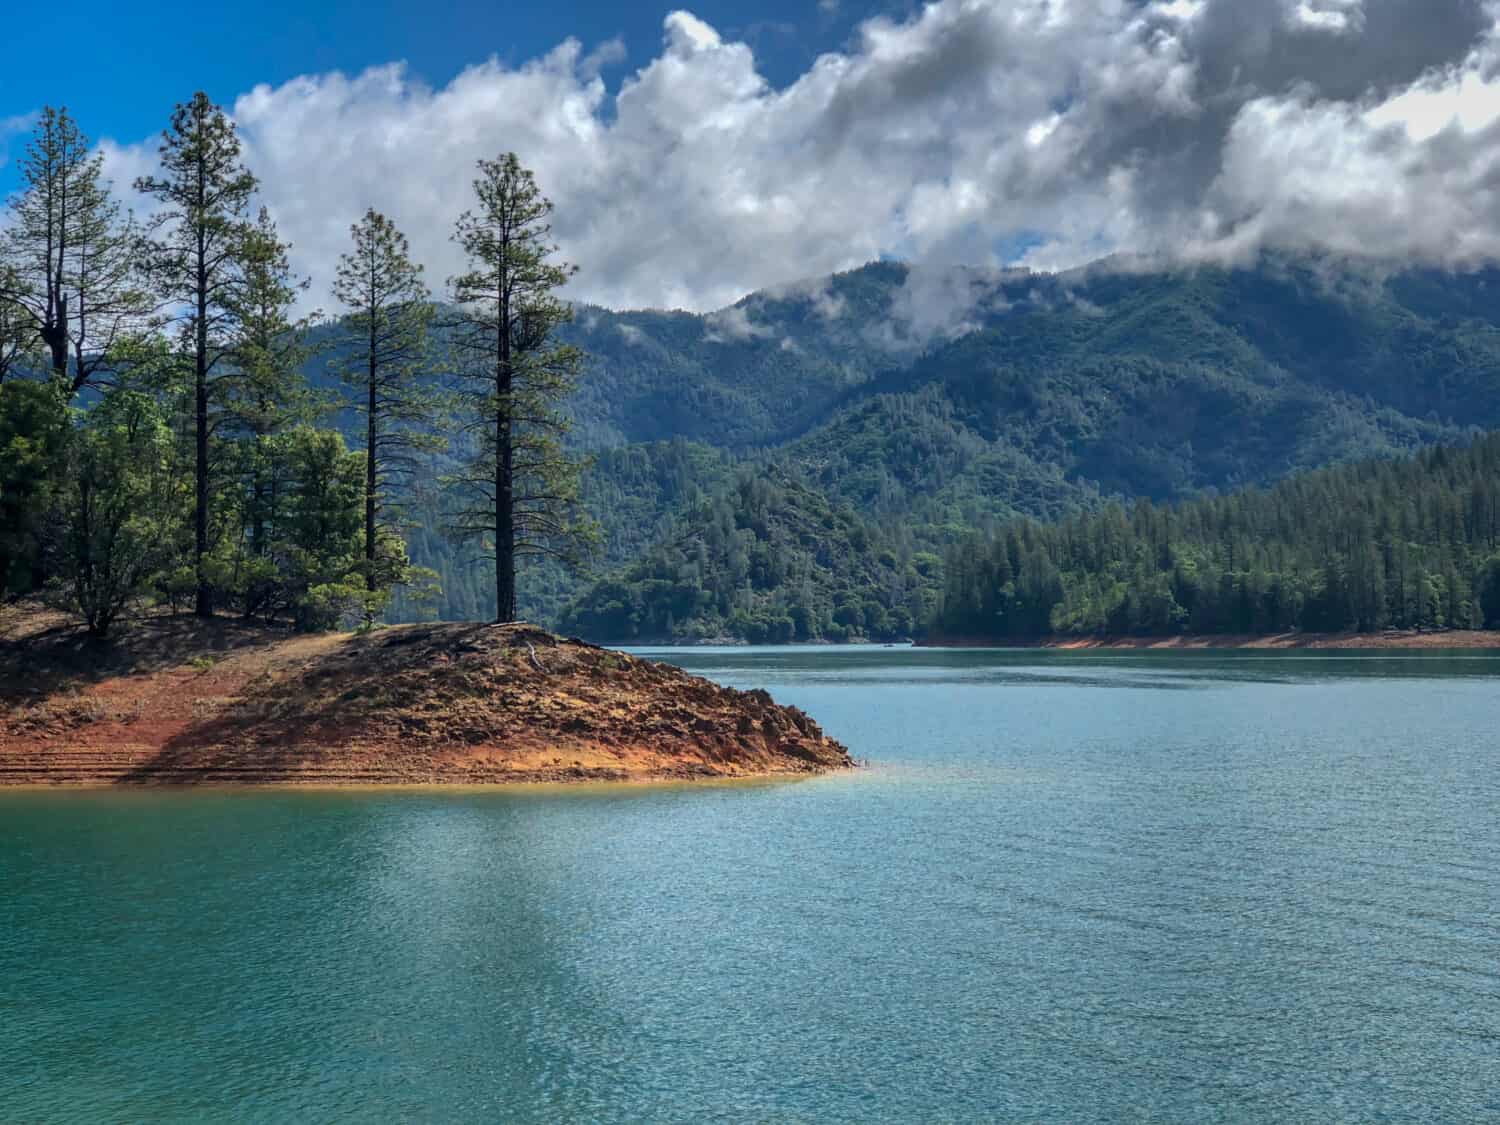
[426, 704]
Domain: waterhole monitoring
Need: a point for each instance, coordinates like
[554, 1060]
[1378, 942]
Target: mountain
[1101, 384]
[932, 401]
[743, 378]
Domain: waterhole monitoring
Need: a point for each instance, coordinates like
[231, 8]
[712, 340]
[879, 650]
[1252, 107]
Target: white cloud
[1182, 10]
[816, 291]
[942, 303]
[973, 131]
[732, 324]
[1329, 15]
[1466, 98]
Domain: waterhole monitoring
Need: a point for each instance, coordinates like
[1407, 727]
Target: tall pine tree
[71, 254]
[386, 365]
[194, 261]
[520, 491]
[265, 394]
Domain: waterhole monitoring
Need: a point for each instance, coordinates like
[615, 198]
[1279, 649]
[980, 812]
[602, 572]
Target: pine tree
[521, 489]
[265, 393]
[266, 390]
[387, 367]
[34, 439]
[71, 255]
[194, 262]
[1363, 547]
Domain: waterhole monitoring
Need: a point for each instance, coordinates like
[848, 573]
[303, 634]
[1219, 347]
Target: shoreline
[1453, 639]
[641, 783]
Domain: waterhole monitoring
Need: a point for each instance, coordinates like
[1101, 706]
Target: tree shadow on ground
[57, 657]
[277, 727]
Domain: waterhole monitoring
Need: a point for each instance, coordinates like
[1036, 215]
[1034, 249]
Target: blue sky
[121, 67]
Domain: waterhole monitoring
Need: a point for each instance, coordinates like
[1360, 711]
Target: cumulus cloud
[1330, 15]
[1029, 133]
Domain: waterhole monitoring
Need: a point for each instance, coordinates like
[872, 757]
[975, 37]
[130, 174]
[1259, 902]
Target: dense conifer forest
[1409, 544]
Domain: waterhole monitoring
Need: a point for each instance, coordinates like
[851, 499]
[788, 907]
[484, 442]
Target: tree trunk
[370, 439]
[203, 605]
[56, 339]
[505, 525]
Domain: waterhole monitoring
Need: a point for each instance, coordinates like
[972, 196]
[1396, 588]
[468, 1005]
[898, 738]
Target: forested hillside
[1413, 543]
[933, 402]
[768, 561]
[633, 492]
[1115, 373]
[1162, 386]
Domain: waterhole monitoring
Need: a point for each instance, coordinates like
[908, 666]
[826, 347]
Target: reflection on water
[1092, 667]
[1268, 892]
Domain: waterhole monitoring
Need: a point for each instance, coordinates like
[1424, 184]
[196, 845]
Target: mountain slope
[933, 401]
[1159, 386]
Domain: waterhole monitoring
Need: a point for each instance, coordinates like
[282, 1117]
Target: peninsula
[183, 700]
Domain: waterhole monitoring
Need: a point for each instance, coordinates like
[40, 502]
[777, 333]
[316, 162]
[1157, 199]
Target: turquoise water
[1070, 887]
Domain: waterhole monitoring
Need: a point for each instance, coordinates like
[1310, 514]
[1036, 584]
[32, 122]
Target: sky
[697, 154]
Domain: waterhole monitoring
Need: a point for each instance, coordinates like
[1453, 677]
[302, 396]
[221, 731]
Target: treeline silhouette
[1408, 544]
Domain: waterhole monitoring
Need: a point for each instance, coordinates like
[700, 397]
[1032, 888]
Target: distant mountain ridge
[929, 401]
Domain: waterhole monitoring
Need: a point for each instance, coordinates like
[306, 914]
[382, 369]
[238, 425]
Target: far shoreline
[1453, 639]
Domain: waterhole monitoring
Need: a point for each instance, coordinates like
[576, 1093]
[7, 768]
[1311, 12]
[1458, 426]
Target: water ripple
[1073, 887]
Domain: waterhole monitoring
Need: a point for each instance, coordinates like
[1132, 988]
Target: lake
[1194, 887]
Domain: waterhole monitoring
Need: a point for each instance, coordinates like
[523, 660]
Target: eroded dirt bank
[176, 700]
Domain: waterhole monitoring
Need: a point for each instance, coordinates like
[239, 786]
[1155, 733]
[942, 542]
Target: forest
[1406, 544]
[1044, 396]
[770, 561]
